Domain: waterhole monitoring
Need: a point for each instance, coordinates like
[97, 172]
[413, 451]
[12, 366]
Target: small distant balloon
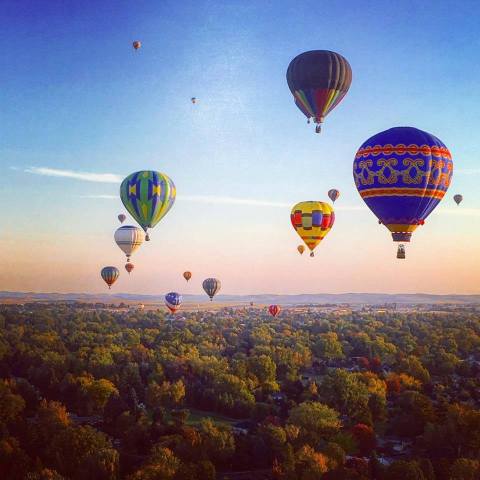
[187, 275]
[333, 194]
[129, 267]
[211, 286]
[122, 217]
[301, 249]
[274, 310]
[458, 199]
[129, 238]
[110, 275]
[251, 304]
[136, 44]
[193, 100]
[173, 300]
[312, 221]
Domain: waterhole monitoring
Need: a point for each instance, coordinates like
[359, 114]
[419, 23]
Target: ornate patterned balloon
[110, 275]
[274, 310]
[173, 301]
[402, 174]
[312, 221]
[211, 287]
[318, 80]
[148, 196]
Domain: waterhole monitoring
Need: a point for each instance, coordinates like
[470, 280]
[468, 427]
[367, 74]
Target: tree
[162, 465]
[403, 470]
[315, 421]
[328, 347]
[465, 469]
[309, 464]
[83, 452]
[365, 437]
[346, 393]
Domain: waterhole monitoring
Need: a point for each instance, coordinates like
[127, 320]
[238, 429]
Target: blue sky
[76, 98]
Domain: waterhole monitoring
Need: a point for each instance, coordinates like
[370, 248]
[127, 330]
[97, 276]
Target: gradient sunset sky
[80, 109]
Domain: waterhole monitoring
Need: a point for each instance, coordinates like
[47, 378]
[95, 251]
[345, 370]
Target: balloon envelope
[402, 174]
[301, 249]
[122, 217]
[312, 221]
[148, 196]
[110, 275]
[187, 275]
[318, 80]
[173, 301]
[274, 310]
[458, 199]
[211, 286]
[333, 194]
[129, 238]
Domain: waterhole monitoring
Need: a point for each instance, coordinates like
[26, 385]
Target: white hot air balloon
[129, 238]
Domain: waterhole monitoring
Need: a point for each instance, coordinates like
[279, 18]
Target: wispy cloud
[460, 211]
[84, 176]
[104, 197]
[467, 171]
[213, 199]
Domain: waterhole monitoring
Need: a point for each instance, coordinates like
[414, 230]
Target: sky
[80, 110]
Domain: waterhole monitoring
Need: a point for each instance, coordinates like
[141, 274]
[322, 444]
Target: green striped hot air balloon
[148, 196]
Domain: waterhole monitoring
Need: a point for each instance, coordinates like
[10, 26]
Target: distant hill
[317, 298]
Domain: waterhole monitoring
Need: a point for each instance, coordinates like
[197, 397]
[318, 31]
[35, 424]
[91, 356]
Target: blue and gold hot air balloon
[318, 80]
[148, 196]
[211, 287]
[402, 174]
[173, 300]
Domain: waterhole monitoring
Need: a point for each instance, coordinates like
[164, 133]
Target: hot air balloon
[301, 249]
[333, 194]
[251, 304]
[401, 251]
[402, 174]
[211, 287]
[193, 100]
[148, 196]
[129, 238]
[129, 267]
[173, 301]
[458, 198]
[318, 80]
[312, 221]
[187, 275]
[122, 217]
[136, 44]
[274, 310]
[110, 275]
